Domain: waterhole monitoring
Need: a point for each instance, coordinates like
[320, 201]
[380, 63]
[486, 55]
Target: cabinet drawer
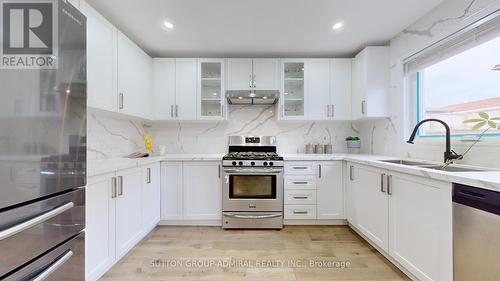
[300, 212]
[300, 197]
[300, 168]
[300, 182]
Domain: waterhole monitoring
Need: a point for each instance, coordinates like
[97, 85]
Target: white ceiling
[261, 28]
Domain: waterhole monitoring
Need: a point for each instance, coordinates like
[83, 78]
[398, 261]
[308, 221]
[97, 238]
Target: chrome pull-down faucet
[449, 154]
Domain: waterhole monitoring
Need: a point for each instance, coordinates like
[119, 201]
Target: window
[456, 81]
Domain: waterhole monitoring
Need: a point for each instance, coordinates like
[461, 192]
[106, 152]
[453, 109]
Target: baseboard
[191, 222]
[386, 255]
[315, 222]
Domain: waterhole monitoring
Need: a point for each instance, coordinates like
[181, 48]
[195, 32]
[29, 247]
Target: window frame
[413, 74]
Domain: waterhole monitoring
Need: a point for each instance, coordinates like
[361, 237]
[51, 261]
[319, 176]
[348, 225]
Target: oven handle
[253, 216]
[256, 171]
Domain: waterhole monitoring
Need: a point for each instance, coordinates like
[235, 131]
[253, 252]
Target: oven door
[253, 189]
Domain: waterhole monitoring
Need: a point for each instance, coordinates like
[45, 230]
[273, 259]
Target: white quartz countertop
[489, 179]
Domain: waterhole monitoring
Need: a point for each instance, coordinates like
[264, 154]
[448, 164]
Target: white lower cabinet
[191, 192]
[99, 226]
[128, 210]
[407, 217]
[313, 192]
[330, 191]
[420, 226]
[202, 190]
[150, 196]
[372, 205]
[120, 211]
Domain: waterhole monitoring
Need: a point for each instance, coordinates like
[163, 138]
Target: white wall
[388, 136]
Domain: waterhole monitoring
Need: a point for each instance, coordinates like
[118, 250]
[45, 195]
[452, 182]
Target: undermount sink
[451, 168]
[405, 162]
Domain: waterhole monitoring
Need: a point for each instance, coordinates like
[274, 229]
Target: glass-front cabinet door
[293, 89]
[211, 101]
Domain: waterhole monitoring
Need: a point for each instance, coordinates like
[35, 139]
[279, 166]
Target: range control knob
[265, 163]
[234, 163]
[240, 163]
[252, 163]
[271, 164]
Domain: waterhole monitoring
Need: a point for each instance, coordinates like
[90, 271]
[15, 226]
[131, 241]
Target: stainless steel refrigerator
[42, 141]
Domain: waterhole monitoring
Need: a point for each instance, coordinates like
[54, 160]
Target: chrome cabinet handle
[171, 111]
[120, 101]
[363, 107]
[300, 182]
[4, 234]
[300, 197]
[389, 185]
[47, 272]
[351, 173]
[148, 175]
[333, 111]
[300, 212]
[319, 170]
[113, 187]
[382, 183]
[250, 82]
[176, 110]
[327, 110]
[219, 172]
[254, 81]
[120, 185]
[299, 167]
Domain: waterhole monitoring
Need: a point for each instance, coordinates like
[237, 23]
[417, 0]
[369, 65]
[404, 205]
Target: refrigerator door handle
[47, 272]
[4, 234]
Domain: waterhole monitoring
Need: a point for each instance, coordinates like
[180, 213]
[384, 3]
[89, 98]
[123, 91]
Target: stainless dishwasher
[476, 234]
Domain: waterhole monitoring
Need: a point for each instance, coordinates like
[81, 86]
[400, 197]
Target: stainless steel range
[253, 186]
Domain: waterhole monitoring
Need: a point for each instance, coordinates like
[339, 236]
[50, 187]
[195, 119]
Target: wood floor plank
[296, 253]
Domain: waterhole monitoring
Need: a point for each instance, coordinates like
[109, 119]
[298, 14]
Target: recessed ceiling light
[264, 98]
[338, 25]
[240, 98]
[214, 94]
[168, 25]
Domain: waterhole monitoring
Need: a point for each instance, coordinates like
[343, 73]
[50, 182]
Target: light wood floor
[251, 248]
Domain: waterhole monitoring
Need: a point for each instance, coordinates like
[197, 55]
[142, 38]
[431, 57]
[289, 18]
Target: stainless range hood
[255, 97]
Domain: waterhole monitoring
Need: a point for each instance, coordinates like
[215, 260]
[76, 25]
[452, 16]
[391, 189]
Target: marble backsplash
[112, 136]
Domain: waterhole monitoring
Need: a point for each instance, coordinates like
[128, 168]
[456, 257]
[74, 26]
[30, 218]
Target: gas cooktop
[252, 155]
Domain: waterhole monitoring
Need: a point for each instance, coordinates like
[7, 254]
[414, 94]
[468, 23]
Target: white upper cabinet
[370, 83]
[265, 74]
[239, 75]
[135, 75]
[101, 61]
[211, 90]
[164, 89]
[340, 89]
[257, 74]
[185, 89]
[318, 89]
[293, 89]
